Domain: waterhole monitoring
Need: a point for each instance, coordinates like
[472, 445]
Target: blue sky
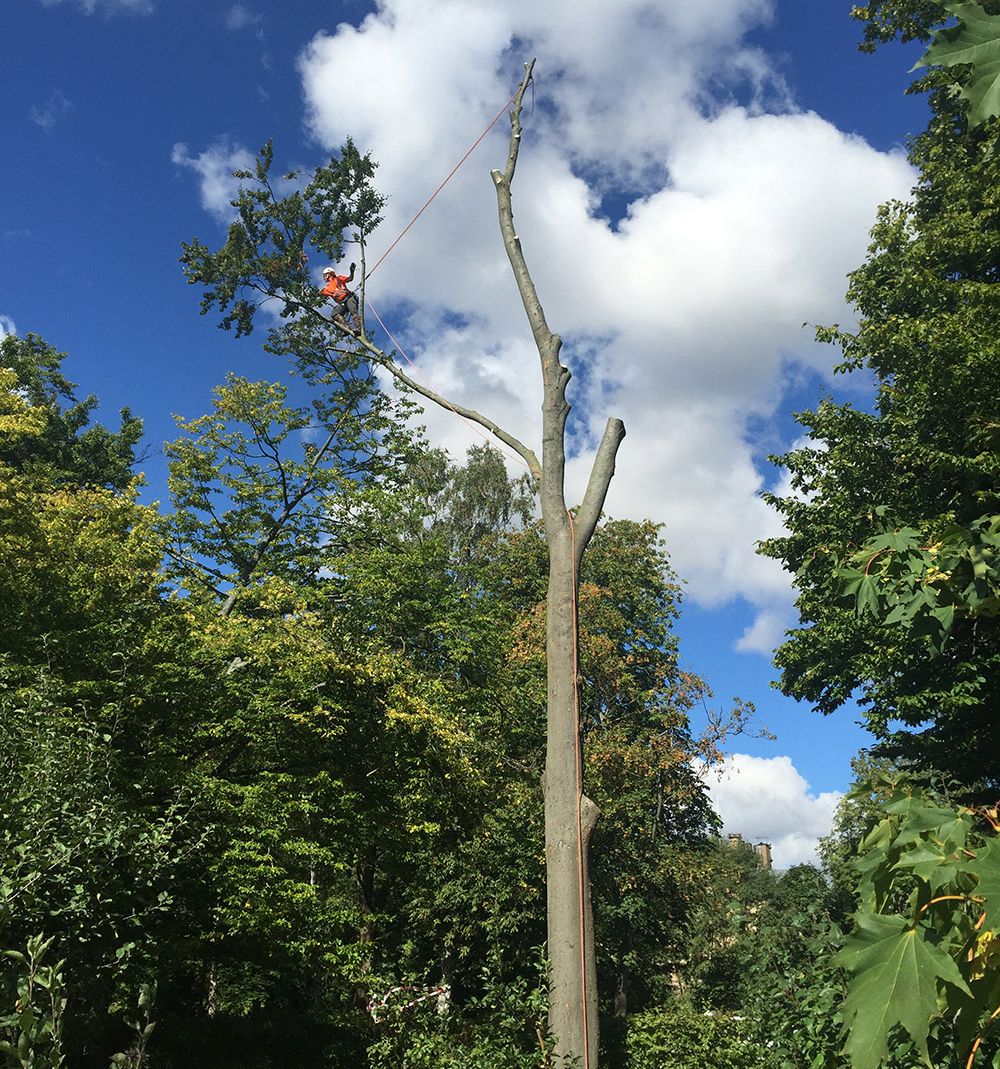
[741, 146]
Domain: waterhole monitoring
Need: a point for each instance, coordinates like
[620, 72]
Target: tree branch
[547, 342]
[597, 487]
[526, 454]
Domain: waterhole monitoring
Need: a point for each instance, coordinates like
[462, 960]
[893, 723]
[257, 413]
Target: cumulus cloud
[682, 219]
[765, 799]
[108, 7]
[57, 107]
[214, 168]
[6, 327]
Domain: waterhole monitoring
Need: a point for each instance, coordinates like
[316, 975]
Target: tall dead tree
[570, 815]
[263, 260]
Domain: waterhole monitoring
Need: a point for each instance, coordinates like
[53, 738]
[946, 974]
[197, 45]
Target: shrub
[678, 1037]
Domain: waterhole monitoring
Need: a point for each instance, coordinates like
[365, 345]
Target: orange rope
[475, 426]
[368, 304]
[451, 174]
[579, 802]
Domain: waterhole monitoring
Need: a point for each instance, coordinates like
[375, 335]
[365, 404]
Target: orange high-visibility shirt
[336, 288]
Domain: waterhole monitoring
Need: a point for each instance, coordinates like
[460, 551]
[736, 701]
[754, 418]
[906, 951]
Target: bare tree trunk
[569, 815]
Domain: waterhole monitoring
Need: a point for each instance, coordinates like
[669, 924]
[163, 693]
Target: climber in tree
[344, 302]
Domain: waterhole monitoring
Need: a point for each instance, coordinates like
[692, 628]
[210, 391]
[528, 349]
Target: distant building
[763, 854]
[762, 850]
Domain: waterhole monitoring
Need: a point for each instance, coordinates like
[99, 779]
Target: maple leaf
[895, 982]
[976, 41]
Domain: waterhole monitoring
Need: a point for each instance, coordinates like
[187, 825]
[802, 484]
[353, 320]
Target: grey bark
[570, 815]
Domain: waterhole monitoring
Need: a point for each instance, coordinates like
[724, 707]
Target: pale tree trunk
[569, 815]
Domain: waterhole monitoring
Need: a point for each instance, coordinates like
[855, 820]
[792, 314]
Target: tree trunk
[569, 815]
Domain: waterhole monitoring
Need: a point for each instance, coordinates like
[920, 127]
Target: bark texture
[569, 815]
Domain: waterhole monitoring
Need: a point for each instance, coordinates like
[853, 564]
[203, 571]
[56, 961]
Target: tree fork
[570, 815]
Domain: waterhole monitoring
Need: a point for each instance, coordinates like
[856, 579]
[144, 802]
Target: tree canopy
[886, 529]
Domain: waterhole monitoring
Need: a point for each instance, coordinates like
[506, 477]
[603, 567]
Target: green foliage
[910, 20]
[64, 449]
[898, 579]
[676, 1036]
[259, 486]
[142, 1028]
[898, 504]
[265, 253]
[922, 583]
[975, 42]
[924, 974]
[502, 1027]
[31, 1030]
[469, 504]
[760, 944]
[857, 812]
[81, 858]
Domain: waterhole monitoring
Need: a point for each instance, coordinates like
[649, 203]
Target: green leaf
[867, 594]
[896, 973]
[976, 41]
[989, 883]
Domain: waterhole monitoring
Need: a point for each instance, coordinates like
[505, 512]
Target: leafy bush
[923, 962]
[678, 1037]
[502, 1028]
[32, 1002]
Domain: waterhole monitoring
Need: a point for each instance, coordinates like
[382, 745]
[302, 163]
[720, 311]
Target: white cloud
[766, 631]
[108, 7]
[6, 327]
[765, 799]
[743, 216]
[55, 108]
[214, 168]
[240, 17]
